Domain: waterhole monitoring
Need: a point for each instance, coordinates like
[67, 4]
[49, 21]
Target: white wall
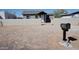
[76, 15]
[32, 17]
[55, 21]
[66, 17]
[72, 21]
[20, 21]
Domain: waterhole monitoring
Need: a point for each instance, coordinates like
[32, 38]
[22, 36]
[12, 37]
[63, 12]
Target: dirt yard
[35, 37]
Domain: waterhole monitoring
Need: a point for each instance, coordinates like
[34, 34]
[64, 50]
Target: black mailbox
[65, 26]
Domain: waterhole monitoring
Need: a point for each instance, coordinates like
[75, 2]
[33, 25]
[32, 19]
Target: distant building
[72, 15]
[7, 15]
[35, 15]
[75, 14]
[51, 16]
[42, 15]
[38, 15]
[66, 16]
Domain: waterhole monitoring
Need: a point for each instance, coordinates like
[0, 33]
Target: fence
[20, 21]
[73, 21]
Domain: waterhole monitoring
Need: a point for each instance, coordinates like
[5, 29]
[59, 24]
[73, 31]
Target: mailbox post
[65, 27]
[64, 36]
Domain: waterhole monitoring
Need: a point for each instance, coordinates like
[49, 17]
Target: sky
[18, 12]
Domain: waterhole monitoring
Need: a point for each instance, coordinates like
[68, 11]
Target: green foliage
[59, 12]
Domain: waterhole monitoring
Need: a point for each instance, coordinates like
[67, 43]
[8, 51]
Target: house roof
[42, 12]
[70, 14]
[32, 12]
[66, 15]
[75, 13]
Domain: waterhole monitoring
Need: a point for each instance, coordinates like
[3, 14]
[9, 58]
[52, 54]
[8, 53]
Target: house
[71, 15]
[35, 15]
[42, 15]
[75, 14]
[51, 16]
[66, 16]
[7, 15]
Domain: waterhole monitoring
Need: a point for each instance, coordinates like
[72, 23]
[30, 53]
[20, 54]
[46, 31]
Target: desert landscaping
[37, 36]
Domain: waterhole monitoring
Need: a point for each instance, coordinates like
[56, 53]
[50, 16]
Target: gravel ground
[25, 37]
[35, 37]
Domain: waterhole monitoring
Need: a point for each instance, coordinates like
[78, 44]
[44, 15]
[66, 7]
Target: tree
[59, 12]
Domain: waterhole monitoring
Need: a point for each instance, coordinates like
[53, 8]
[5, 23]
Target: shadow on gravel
[72, 39]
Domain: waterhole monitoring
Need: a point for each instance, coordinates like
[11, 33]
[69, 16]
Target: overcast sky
[18, 12]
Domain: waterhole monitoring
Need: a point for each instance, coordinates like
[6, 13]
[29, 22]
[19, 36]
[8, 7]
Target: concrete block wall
[20, 21]
[56, 21]
[72, 21]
